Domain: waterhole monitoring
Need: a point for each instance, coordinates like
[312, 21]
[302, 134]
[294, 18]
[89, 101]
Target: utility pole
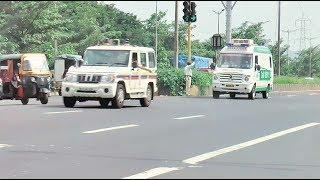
[228, 7]
[176, 42]
[218, 13]
[156, 31]
[279, 11]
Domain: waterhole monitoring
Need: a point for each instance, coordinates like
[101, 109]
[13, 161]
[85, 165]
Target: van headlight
[108, 78]
[70, 78]
[247, 78]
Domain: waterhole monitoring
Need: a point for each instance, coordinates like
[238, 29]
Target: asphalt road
[176, 137]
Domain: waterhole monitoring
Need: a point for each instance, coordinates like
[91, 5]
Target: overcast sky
[253, 11]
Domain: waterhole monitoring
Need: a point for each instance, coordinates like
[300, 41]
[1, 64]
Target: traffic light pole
[189, 41]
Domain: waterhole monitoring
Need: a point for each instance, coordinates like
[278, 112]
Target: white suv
[108, 74]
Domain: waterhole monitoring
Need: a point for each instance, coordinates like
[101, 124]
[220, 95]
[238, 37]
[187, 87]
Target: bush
[171, 81]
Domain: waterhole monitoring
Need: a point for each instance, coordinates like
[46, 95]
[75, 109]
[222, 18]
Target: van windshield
[112, 58]
[240, 61]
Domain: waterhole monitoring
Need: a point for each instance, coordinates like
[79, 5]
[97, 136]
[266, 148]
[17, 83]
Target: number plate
[229, 85]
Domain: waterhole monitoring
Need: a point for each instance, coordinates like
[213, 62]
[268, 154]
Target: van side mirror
[19, 65]
[257, 67]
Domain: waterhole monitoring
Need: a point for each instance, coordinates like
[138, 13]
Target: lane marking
[291, 95]
[209, 155]
[109, 129]
[311, 94]
[153, 172]
[61, 112]
[5, 145]
[189, 117]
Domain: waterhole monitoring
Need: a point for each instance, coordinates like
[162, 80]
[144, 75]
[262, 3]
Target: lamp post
[218, 13]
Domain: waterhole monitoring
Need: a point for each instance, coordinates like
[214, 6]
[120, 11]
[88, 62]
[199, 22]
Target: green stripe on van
[262, 49]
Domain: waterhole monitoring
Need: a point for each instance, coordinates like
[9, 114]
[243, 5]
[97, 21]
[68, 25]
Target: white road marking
[62, 112]
[291, 95]
[209, 155]
[153, 172]
[311, 94]
[188, 117]
[4, 145]
[109, 129]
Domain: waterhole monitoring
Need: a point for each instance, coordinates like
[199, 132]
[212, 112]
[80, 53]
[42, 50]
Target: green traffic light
[193, 18]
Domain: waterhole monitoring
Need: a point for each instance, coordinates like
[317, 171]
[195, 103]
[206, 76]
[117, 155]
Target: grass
[295, 80]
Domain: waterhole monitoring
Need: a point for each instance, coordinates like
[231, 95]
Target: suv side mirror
[258, 67]
[134, 64]
[212, 66]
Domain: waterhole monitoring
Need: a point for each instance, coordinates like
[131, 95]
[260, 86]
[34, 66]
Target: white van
[243, 68]
[108, 74]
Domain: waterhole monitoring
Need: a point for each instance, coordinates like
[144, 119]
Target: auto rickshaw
[61, 65]
[24, 76]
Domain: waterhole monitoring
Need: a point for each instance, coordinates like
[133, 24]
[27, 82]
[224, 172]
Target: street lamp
[218, 13]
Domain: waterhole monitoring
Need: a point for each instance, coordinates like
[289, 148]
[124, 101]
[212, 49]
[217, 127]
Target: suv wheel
[117, 101]
[69, 102]
[145, 102]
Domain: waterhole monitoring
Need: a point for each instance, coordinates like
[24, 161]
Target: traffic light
[193, 16]
[186, 11]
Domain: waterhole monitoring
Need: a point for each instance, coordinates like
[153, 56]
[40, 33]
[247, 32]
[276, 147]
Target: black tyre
[117, 101]
[265, 94]
[232, 95]
[252, 94]
[104, 103]
[69, 102]
[215, 94]
[25, 101]
[145, 102]
[44, 99]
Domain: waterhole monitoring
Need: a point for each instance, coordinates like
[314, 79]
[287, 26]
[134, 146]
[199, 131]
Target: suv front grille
[88, 78]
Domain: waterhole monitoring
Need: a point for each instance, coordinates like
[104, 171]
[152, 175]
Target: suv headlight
[70, 78]
[247, 78]
[108, 78]
[215, 77]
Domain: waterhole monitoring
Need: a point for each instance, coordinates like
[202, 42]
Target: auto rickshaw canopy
[16, 57]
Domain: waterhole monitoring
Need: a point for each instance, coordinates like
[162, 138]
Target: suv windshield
[241, 61]
[113, 58]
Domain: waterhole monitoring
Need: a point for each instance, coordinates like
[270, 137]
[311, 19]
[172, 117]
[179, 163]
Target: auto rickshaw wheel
[25, 101]
[44, 99]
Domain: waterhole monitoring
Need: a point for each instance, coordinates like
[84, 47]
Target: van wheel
[117, 101]
[232, 95]
[69, 102]
[104, 103]
[25, 101]
[252, 94]
[216, 94]
[145, 102]
[44, 99]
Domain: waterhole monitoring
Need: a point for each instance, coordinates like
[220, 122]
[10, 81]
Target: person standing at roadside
[188, 75]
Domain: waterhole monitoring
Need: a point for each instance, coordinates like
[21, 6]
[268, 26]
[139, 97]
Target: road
[176, 137]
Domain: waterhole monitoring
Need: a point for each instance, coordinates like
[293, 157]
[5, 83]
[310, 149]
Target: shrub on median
[171, 81]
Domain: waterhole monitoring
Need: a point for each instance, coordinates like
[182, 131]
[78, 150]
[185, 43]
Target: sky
[252, 11]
